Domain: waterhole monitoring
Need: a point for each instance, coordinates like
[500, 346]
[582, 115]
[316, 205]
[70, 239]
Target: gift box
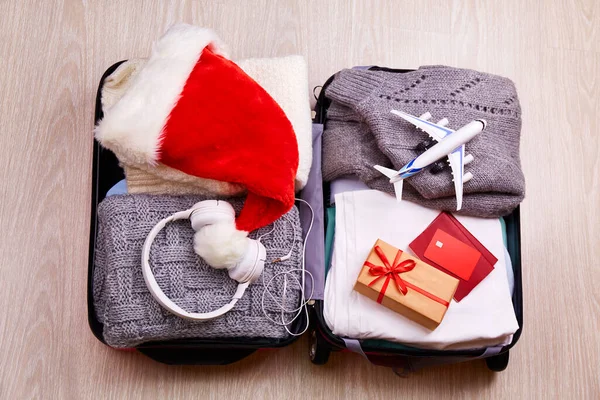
[406, 285]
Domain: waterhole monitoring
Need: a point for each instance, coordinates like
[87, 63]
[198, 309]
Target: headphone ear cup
[251, 265]
[210, 212]
[221, 245]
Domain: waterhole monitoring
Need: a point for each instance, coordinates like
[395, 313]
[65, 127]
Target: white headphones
[245, 270]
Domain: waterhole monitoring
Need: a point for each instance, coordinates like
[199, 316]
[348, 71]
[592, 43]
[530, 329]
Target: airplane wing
[436, 132]
[398, 190]
[390, 173]
[456, 160]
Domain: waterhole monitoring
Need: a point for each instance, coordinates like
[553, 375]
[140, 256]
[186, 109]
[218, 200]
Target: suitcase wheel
[318, 350]
[497, 363]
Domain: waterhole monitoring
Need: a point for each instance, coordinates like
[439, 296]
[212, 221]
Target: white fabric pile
[484, 318]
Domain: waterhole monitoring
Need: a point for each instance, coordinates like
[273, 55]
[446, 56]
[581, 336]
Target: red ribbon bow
[393, 272]
[390, 272]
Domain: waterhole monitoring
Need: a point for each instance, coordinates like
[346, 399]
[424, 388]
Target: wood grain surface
[52, 55]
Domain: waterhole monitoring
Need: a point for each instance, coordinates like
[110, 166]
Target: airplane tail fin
[390, 173]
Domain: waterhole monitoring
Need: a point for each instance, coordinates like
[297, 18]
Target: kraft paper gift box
[406, 285]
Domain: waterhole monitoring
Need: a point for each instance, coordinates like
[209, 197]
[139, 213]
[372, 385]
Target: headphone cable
[304, 303]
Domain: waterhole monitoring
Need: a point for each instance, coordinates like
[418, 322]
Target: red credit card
[450, 225]
[452, 254]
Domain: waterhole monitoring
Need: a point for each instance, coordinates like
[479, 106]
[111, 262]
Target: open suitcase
[106, 172]
[404, 359]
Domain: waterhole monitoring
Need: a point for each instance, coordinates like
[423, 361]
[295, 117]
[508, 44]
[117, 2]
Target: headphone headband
[157, 292]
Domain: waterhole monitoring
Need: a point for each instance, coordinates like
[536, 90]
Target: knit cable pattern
[126, 308]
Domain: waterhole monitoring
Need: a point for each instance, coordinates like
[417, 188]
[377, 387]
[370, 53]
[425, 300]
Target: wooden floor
[52, 54]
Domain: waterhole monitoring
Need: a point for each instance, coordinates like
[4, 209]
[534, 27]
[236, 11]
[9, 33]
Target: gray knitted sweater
[361, 132]
[129, 313]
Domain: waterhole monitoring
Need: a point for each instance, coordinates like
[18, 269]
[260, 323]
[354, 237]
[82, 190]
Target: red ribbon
[393, 272]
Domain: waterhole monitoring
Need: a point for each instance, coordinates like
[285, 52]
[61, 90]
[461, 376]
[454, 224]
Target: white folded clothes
[484, 318]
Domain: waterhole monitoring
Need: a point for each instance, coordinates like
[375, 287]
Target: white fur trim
[133, 127]
[286, 80]
[221, 245]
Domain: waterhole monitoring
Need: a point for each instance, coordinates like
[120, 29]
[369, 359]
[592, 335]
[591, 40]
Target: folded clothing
[128, 311]
[360, 123]
[384, 344]
[484, 318]
[314, 247]
[284, 78]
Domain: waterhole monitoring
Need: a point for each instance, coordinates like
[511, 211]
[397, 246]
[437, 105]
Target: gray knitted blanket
[361, 132]
[125, 306]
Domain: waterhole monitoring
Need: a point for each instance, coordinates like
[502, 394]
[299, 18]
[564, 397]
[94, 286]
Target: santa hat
[194, 110]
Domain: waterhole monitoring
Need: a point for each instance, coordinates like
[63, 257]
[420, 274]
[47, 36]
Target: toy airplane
[450, 143]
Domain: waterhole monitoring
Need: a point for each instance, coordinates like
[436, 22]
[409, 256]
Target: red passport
[448, 224]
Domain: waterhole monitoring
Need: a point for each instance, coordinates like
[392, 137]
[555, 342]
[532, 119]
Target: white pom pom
[221, 245]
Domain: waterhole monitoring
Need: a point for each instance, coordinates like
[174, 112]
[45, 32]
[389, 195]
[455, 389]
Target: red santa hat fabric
[194, 110]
